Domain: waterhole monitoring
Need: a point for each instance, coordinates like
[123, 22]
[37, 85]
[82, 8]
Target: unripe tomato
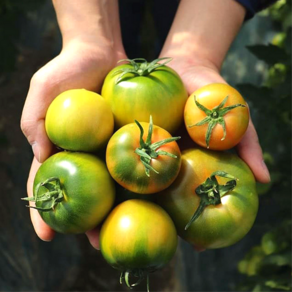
[139, 89]
[73, 192]
[79, 120]
[133, 171]
[138, 237]
[221, 222]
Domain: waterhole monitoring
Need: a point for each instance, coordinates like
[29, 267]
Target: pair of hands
[84, 64]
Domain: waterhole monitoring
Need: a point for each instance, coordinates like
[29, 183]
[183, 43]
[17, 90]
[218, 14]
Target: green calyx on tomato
[140, 274]
[147, 151]
[214, 117]
[51, 198]
[210, 192]
[141, 68]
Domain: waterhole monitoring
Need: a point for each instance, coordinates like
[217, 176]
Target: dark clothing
[254, 6]
[136, 14]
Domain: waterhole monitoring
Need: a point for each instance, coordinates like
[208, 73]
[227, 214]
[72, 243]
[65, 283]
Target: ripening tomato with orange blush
[216, 116]
[143, 158]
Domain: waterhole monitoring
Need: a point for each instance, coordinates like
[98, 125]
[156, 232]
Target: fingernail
[36, 151]
[266, 170]
[47, 240]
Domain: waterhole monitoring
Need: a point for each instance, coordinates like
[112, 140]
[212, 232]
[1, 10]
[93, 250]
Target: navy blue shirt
[254, 6]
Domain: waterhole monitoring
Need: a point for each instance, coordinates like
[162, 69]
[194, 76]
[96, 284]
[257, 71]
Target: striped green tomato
[139, 89]
[79, 120]
[213, 201]
[73, 192]
[138, 174]
[138, 237]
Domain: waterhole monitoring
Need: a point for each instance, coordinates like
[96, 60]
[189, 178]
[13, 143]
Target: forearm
[203, 30]
[89, 20]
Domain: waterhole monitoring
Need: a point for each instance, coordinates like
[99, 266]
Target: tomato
[73, 192]
[138, 237]
[139, 89]
[79, 120]
[228, 218]
[127, 164]
[216, 116]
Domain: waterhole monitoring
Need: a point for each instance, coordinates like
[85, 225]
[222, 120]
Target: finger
[33, 118]
[201, 78]
[43, 231]
[198, 249]
[250, 151]
[93, 237]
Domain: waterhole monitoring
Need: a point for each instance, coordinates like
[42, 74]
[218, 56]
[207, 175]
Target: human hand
[196, 74]
[198, 41]
[92, 45]
[81, 64]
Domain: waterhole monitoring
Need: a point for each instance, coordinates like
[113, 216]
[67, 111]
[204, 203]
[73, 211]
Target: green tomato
[137, 90]
[138, 237]
[226, 220]
[79, 120]
[73, 192]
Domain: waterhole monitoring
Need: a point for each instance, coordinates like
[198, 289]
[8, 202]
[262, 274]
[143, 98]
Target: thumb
[43, 231]
[250, 151]
[33, 119]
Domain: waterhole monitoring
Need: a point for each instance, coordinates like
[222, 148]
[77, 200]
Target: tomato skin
[138, 235]
[236, 120]
[79, 120]
[126, 167]
[88, 189]
[160, 94]
[220, 225]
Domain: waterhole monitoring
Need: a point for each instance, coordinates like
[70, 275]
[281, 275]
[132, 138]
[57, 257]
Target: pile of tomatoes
[123, 147]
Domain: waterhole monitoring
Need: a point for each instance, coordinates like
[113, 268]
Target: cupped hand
[81, 64]
[196, 74]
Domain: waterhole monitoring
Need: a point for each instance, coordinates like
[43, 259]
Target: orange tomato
[212, 108]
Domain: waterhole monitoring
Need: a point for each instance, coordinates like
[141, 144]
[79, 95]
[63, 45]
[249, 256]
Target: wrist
[204, 30]
[94, 49]
[90, 21]
[187, 59]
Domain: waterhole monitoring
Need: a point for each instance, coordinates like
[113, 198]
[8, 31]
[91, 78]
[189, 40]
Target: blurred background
[258, 65]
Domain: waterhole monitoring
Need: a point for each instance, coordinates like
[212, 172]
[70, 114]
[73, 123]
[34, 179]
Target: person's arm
[91, 47]
[89, 20]
[198, 41]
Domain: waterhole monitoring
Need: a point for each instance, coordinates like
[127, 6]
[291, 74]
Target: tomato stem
[148, 151]
[51, 198]
[140, 274]
[211, 192]
[140, 67]
[214, 117]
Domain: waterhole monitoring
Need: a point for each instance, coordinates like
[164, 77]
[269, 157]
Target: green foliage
[268, 266]
[271, 104]
[271, 54]
[280, 12]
